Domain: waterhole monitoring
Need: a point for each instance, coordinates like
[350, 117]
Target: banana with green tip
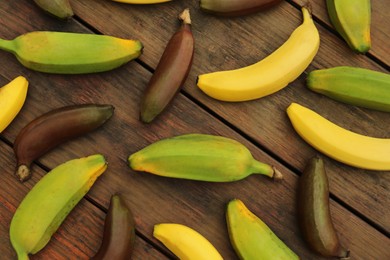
[48, 203]
[59, 8]
[269, 75]
[351, 85]
[12, 98]
[251, 237]
[352, 20]
[200, 157]
[71, 53]
[185, 242]
[338, 143]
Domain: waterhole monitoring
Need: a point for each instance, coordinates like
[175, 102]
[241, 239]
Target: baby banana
[71, 53]
[251, 238]
[49, 202]
[171, 71]
[142, 2]
[185, 242]
[54, 128]
[313, 211]
[355, 86]
[351, 19]
[200, 157]
[119, 232]
[270, 74]
[58, 8]
[12, 97]
[236, 7]
[340, 144]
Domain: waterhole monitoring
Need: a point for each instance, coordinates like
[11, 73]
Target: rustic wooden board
[263, 120]
[78, 237]
[155, 199]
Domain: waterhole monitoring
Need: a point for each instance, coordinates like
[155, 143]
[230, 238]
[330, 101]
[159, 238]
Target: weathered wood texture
[201, 205]
[223, 43]
[78, 237]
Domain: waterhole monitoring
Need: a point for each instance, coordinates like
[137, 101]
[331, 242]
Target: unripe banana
[251, 237]
[119, 232]
[236, 7]
[54, 128]
[200, 157]
[338, 143]
[12, 97]
[71, 53]
[49, 202]
[355, 86]
[314, 216]
[171, 72]
[59, 8]
[352, 19]
[185, 242]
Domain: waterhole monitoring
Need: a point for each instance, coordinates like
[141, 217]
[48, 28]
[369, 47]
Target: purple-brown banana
[119, 232]
[54, 128]
[236, 7]
[313, 211]
[171, 72]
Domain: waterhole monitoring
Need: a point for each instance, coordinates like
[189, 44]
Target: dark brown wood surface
[360, 199]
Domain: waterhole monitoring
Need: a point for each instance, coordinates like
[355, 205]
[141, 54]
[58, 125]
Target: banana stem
[185, 16]
[23, 173]
[265, 169]
[7, 45]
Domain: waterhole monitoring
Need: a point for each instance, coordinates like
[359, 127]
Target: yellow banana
[49, 202]
[12, 97]
[251, 237]
[141, 2]
[185, 242]
[270, 74]
[352, 19]
[341, 144]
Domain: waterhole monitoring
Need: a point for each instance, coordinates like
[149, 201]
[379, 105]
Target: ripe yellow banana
[270, 74]
[49, 202]
[341, 144]
[251, 237]
[12, 97]
[185, 242]
[352, 19]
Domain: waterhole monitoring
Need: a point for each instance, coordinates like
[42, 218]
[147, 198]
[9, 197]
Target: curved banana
[49, 202]
[352, 19]
[142, 2]
[185, 242]
[236, 7]
[12, 97]
[270, 74]
[338, 143]
[250, 237]
[58, 8]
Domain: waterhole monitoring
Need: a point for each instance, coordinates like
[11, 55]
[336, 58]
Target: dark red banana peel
[54, 128]
[236, 7]
[119, 232]
[171, 72]
[313, 212]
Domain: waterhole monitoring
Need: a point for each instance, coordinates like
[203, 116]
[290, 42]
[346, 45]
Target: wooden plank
[155, 199]
[263, 120]
[380, 29]
[78, 237]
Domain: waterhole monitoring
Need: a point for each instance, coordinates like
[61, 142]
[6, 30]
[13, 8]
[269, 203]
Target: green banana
[251, 238]
[352, 20]
[59, 8]
[351, 85]
[71, 53]
[200, 157]
[49, 202]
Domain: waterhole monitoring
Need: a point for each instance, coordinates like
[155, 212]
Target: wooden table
[359, 198]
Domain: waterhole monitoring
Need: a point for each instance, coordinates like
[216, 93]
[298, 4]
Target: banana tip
[23, 173]
[277, 174]
[185, 16]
